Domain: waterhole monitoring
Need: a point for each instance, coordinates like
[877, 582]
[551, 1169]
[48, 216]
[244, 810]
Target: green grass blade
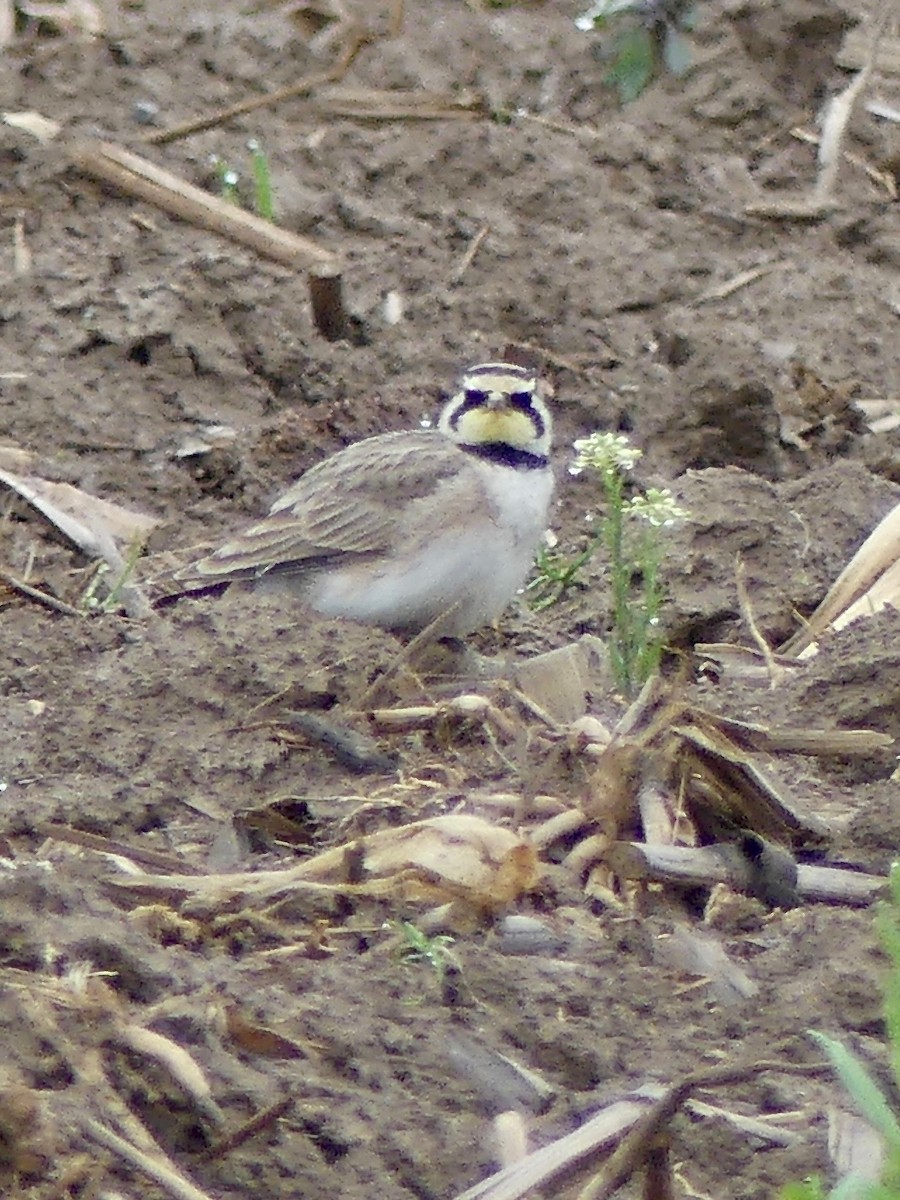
[862, 1088]
[262, 180]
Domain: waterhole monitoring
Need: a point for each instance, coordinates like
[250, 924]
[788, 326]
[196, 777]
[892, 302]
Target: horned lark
[405, 528]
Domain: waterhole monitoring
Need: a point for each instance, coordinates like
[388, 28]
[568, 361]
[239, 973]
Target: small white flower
[658, 507]
[604, 452]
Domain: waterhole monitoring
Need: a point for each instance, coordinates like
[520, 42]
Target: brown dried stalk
[302, 88]
[139, 177]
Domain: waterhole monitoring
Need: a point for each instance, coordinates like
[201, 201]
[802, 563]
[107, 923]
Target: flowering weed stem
[632, 532]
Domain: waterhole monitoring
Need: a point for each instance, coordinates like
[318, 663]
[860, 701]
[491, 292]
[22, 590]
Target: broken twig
[139, 177]
[60, 606]
[302, 88]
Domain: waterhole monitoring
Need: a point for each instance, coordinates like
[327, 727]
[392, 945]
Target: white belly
[474, 568]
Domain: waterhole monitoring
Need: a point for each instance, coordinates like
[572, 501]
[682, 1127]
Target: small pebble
[518, 934]
[145, 112]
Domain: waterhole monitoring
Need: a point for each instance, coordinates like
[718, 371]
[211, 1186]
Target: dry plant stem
[820, 743]
[838, 115]
[511, 1137]
[469, 257]
[104, 845]
[559, 1158]
[883, 592]
[776, 673]
[639, 707]
[821, 203]
[251, 1128]
[302, 88]
[60, 606]
[704, 866]
[21, 252]
[881, 178]
[7, 23]
[588, 132]
[741, 661]
[631, 1153]
[549, 1163]
[658, 1182]
[139, 177]
[659, 816]
[765, 1129]
[723, 290]
[559, 827]
[467, 707]
[428, 634]
[173, 1058]
[327, 300]
[854, 1146]
[160, 1170]
[397, 104]
[543, 354]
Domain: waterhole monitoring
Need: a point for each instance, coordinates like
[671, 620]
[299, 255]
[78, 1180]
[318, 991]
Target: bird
[413, 530]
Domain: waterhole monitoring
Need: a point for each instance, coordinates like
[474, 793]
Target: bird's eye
[475, 397]
[521, 400]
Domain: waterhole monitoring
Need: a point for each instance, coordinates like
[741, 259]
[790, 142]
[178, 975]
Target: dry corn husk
[869, 581]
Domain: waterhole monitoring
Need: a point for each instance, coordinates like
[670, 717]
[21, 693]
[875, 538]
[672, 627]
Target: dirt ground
[170, 371]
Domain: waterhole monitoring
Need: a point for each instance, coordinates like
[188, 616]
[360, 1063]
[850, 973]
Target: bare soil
[612, 239]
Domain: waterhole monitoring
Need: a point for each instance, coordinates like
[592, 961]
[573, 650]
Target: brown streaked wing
[352, 503]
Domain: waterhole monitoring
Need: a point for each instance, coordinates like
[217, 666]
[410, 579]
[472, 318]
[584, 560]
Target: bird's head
[499, 405]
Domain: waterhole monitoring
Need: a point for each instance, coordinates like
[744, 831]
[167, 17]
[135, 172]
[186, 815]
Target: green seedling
[646, 41]
[264, 200]
[93, 601]
[555, 574]
[418, 947]
[873, 1103]
[229, 180]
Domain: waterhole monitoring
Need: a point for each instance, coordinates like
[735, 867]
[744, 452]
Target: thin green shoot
[264, 198]
[229, 180]
[555, 574]
[93, 601]
[419, 947]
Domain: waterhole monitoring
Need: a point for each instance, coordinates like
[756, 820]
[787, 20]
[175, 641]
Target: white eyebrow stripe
[499, 377]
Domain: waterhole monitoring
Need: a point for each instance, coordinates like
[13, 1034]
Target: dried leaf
[702, 953]
[258, 1039]
[85, 520]
[457, 856]
[560, 681]
[869, 581]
